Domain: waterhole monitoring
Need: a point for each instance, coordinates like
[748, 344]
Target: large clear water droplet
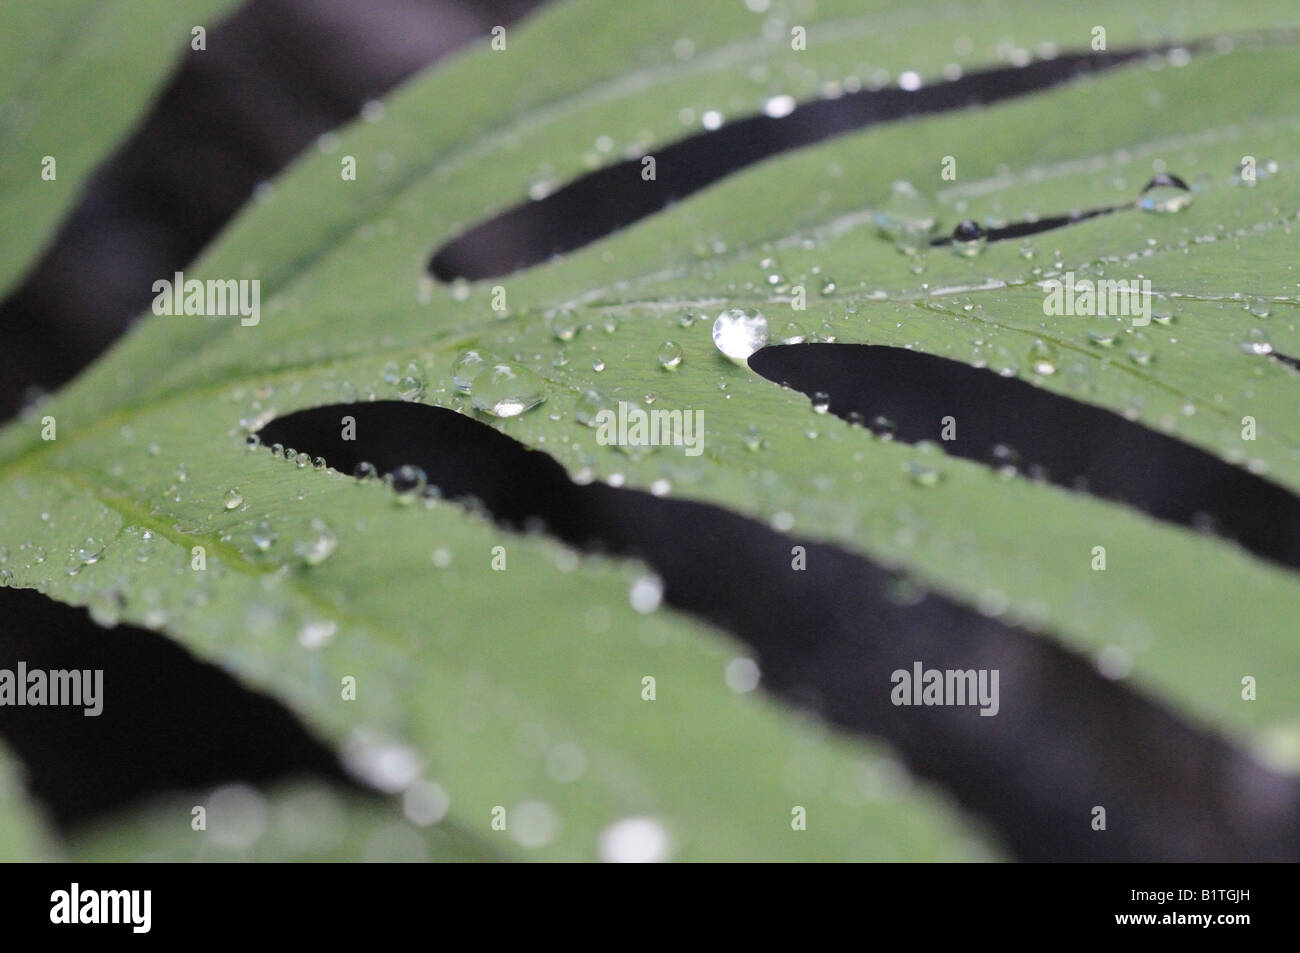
[737, 334]
[507, 390]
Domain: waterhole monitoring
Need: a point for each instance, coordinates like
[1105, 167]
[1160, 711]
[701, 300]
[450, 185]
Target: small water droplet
[564, 325]
[465, 368]
[646, 594]
[252, 441]
[507, 390]
[670, 355]
[264, 536]
[301, 460]
[737, 334]
[1165, 193]
[365, 470]
[409, 482]
[821, 402]
[233, 499]
[827, 287]
[752, 438]
[1042, 358]
[969, 239]
[1259, 307]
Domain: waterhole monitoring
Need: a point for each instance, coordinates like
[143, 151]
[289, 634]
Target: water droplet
[969, 239]
[301, 460]
[277, 449]
[319, 544]
[588, 406]
[365, 470]
[646, 594]
[670, 355]
[105, 607]
[821, 402]
[634, 840]
[466, 367]
[1259, 307]
[827, 288]
[264, 536]
[314, 635]
[1257, 342]
[1165, 193]
[907, 218]
[883, 427]
[926, 466]
[409, 482]
[87, 554]
[534, 824]
[742, 675]
[738, 334]
[507, 390]
[233, 499]
[564, 325]
[410, 386]
[318, 463]
[252, 441]
[1104, 338]
[752, 438]
[1042, 358]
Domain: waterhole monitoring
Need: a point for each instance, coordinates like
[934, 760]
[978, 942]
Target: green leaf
[77, 73]
[483, 674]
[25, 835]
[299, 822]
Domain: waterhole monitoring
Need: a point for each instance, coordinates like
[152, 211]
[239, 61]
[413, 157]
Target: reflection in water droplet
[737, 334]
